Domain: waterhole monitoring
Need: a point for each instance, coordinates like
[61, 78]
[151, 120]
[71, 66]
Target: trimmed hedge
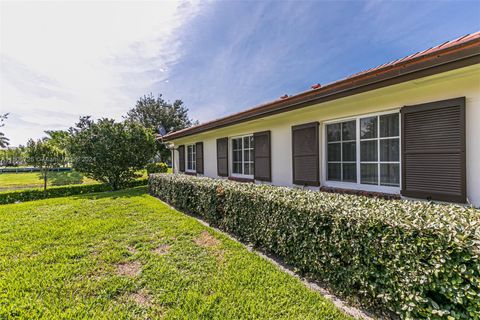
[159, 167]
[56, 192]
[416, 259]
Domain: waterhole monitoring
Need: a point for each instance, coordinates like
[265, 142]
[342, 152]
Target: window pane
[349, 151]
[235, 144]
[333, 132]
[237, 155]
[390, 175]
[246, 155]
[369, 173]
[368, 128]
[334, 171]
[246, 142]
[237, 167]
[389, 150]
[349, 130]
[334, 152]
[251, 155]
[247, 168]
[350, 172]
[389, 125]
[368, 150]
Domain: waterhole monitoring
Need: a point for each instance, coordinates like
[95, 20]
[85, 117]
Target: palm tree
[3, 140]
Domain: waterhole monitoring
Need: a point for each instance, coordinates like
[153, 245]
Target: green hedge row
[63, 191]
[415, 259]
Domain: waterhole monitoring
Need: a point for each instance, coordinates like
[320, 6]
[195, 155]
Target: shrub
[56, 192]
[416, 259]
[159, 167]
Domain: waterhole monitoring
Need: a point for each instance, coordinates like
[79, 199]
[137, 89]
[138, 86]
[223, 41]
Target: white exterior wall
[463, 82]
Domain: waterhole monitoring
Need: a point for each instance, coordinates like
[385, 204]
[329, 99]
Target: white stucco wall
[463, 82]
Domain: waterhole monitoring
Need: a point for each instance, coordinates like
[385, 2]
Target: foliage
[58, 138]
[153, 112]
[62, 259]
[63, 191]
[109, 151]
[13, 156]
[43, 155]
[417, 259]
[4, 141]
[159, 167]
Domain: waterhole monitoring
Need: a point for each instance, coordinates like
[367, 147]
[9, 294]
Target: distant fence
[31, 169]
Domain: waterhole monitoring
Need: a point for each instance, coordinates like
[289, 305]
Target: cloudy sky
[61, 60]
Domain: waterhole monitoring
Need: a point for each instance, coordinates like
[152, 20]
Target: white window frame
[358, 185]
[194, 158]
[230, 155]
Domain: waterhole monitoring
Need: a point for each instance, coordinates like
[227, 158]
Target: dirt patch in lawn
[162, 249]
[129, 269]
[205, 239]
[141, 298]
[132, 250]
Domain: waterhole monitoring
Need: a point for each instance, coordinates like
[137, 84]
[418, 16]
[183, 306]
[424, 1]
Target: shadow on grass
[64, 178]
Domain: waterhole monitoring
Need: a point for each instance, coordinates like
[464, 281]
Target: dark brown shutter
[199, 156]
[262, 156]
[433, 150]
[222, 157]
[305, 154]
[181, 158]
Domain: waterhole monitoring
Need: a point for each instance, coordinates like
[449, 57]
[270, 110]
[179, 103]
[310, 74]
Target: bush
[159, 167]
[56, 192]
[416, 259]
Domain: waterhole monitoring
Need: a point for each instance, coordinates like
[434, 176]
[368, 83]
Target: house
[409, 128]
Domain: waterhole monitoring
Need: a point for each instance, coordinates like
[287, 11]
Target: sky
[63, 60]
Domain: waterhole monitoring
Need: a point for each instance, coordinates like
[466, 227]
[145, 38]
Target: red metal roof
[465, 43]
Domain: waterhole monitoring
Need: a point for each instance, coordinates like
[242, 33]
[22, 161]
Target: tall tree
[45, 156]
[4, 141]
[153, 112]
[109, 151]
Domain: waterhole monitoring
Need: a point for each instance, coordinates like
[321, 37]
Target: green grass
[31, 180]
[65, 258]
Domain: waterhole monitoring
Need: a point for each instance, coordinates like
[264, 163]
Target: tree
[109, 151]
[45, 156]
[4, 141]
[58, 138]
[153, 112]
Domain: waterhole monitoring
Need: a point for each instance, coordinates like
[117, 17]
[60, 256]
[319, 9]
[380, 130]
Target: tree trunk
[45, 180]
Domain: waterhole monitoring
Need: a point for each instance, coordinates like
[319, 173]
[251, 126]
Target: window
[242, 156]
[191, 158]
[365, 150]
[342, 151]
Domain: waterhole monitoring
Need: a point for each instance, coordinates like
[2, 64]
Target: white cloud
[62, 60]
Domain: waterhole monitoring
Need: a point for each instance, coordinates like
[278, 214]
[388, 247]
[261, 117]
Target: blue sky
[60, 61]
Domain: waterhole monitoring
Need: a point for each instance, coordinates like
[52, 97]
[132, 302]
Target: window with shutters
[242, 156]
[364, 152]
[191, 158]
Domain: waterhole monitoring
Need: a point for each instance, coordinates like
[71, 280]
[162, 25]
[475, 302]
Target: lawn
[123, 255]
[29, 180]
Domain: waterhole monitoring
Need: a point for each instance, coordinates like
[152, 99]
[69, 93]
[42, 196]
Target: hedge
[410, 258]
[63, 191]
[159, 167]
